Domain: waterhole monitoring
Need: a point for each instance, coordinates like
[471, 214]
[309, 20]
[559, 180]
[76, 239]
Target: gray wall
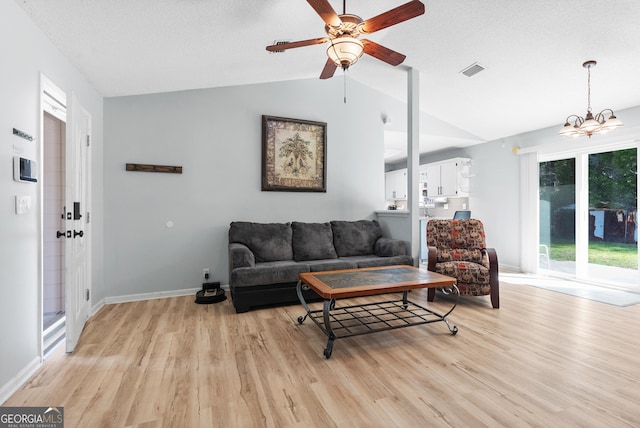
[215, 135]
[26, 52]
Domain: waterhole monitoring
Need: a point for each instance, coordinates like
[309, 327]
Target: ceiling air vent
[279, 42]
[474, 68]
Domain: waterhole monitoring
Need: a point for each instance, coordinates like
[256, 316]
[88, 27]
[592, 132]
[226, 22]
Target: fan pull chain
[344, 73]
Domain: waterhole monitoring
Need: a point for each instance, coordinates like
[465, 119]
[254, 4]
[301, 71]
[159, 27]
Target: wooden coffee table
[337, 322]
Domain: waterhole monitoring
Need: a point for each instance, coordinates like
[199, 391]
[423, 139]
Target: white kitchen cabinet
[448, 178]
[396, 184]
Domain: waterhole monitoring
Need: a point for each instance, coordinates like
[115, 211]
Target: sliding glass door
[588, 217]
[612, 231]
[557, 249]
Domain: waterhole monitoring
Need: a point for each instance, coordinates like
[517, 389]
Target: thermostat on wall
[25, 170]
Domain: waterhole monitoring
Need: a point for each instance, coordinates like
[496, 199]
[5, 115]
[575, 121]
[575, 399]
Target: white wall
[26, 53]
[216, 136]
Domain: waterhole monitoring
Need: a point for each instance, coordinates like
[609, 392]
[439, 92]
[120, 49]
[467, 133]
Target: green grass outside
[600, 253]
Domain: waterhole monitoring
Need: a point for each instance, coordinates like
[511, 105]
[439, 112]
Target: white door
[77, 246]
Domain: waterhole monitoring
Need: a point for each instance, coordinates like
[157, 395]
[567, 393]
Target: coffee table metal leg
[326, 314]
[329, 349]
[299, 288]
[453, 329]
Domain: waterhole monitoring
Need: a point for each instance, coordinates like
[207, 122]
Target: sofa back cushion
[312, 241]
[457, 240]
[355, 238]
[269, 242]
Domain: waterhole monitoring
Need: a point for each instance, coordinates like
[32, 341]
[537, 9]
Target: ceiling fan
[343, 31]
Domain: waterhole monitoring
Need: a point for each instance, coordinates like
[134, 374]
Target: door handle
[60, 234]
[76, 233]
[76, 211]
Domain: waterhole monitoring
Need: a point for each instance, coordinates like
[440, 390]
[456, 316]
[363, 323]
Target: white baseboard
[155, 295]
[95, 308]
[510, 268]
[19, 379]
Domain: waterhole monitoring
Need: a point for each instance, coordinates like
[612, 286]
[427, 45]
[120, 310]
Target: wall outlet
[445, 206]
[205, 273]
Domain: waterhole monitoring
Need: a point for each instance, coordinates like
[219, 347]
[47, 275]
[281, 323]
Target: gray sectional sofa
[265, 259]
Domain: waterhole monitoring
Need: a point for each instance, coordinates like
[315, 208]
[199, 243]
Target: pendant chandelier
[589, 125]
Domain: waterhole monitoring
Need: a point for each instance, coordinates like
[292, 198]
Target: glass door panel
[612, 232]
[557, 200]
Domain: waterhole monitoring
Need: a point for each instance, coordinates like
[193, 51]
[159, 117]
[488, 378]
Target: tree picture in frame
[294, 154]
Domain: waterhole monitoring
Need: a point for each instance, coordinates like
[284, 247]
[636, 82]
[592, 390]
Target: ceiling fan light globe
[345, 51]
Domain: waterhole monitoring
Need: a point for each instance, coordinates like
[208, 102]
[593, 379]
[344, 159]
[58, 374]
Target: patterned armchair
[457, 248]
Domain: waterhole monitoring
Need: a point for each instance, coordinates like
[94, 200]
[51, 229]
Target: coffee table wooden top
[339, 284]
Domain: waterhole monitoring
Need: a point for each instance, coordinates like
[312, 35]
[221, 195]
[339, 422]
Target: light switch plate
[23, 204]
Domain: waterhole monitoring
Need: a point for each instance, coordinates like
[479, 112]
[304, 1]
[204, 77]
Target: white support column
[413, 158]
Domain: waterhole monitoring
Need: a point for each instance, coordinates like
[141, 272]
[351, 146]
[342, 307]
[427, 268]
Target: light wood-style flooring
[544, 359]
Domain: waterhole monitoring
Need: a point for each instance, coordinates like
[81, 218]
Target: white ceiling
[532, 50]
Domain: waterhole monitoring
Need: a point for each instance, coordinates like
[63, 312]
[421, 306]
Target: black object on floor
[210, 293]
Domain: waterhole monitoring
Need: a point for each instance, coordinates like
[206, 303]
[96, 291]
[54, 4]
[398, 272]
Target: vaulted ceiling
[532, 52]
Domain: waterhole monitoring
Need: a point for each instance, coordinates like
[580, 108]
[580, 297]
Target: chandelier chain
[589, 89]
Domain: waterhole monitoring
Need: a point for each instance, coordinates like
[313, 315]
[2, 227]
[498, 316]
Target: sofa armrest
[240, 256]
[387, 247]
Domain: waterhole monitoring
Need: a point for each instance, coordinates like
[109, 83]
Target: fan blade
[394, 16]
[328, 70]
[383, 54]
[326, 12]
[301, 43]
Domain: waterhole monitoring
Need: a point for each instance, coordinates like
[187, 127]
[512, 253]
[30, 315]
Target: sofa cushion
[330, 264]
[312, 241]
[375, 261]
[457, 240]
[386, 247]
[268, 273]
[465, 272]
[269, 242]
[355, 238]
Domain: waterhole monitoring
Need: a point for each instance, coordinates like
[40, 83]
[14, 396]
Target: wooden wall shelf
[154, 168]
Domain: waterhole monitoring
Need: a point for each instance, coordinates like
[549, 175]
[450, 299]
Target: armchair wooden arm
[432, 257]
[493, 277]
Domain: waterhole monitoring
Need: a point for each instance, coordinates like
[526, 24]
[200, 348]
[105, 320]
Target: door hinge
[88, 217]
[88, 140]
[88, 294]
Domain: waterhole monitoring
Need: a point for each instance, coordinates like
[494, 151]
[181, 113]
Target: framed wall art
[294, 155]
